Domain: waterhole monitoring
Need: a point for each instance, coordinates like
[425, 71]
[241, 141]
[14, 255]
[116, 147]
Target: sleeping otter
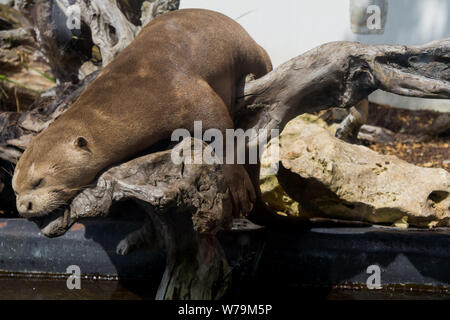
[183, 67]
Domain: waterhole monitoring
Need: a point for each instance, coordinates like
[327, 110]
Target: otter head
[51, 171]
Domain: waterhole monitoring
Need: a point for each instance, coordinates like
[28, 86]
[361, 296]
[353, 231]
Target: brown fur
[183, 67]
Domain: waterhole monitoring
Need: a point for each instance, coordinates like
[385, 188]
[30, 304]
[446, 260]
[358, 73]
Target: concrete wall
[286, 28]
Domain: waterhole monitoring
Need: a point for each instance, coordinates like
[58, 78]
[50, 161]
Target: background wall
[287, 28]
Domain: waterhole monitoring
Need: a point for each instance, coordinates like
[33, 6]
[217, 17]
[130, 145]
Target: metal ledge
[271, 262]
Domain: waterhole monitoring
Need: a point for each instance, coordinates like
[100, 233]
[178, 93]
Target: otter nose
[25, 207]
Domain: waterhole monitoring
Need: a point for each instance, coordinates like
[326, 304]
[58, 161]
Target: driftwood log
[68, 33]
[341, 74]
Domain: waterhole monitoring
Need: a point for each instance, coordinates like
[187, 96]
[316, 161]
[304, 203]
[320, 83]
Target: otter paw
[124, 247]
[241, 190]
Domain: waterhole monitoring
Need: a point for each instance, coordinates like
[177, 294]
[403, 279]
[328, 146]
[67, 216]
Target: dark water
[41, 288]
[56, 289]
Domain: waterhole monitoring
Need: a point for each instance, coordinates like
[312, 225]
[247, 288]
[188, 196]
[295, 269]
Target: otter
[183, 66]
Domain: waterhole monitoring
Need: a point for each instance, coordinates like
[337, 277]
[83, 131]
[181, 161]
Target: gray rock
[375, 134]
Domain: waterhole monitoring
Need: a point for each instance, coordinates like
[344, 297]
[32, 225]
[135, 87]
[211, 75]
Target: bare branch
[342, 74]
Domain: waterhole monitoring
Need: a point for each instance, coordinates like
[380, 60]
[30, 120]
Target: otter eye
[37, 183]
[81, 142]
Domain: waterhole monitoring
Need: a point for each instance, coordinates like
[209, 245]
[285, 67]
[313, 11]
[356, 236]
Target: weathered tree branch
[349, 127]
[18, 128]
[19, 35]
[111, 30]
[103, 23]
[341, 74]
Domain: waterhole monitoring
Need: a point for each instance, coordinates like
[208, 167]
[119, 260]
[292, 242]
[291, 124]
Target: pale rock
[339, 180]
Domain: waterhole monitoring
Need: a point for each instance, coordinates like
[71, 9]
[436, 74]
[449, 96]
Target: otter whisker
[8, 172]
[55, 205]
[70, 168]
[81, 187]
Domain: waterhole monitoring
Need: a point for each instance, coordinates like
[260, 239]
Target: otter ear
[81, 143]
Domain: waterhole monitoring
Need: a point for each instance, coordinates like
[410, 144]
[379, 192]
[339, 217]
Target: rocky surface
[340, 180]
